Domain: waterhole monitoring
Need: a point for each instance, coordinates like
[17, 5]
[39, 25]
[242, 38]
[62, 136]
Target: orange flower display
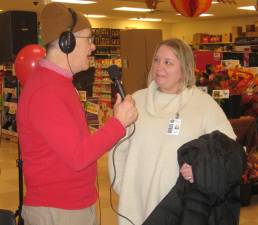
[237, 80]
[251, 172]
[191, 8]
[242, 84]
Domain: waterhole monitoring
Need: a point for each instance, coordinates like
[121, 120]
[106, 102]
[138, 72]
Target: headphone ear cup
[67, 42]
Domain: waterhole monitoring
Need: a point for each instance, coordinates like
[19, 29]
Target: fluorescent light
[206, 14]
[133, 9]
[94, 16]
[202, 15]
[214, 2]
[251, 7]
[75, 1]
[146, 19]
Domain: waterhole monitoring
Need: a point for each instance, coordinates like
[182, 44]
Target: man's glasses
[91, 38]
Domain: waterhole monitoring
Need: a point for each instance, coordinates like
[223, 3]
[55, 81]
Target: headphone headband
[67, 40]
[74, 17]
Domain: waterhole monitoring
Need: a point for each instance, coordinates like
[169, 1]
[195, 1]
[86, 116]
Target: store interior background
[225, 16]
[173, 26]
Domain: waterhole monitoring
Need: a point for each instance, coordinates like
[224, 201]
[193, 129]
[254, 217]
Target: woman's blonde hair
[184, 54]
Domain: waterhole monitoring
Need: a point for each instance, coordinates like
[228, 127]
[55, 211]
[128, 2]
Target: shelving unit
[10, 100]
[99, 100]
[104, 88]
[222, 46]
[107, 42]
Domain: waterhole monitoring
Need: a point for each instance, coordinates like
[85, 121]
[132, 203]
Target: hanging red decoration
[191, 8]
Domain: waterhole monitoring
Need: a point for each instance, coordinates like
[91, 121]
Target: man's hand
[125, 111]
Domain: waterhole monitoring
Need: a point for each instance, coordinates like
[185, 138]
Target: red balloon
[27, 60]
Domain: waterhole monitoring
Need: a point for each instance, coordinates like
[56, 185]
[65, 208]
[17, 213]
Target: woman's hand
[187, 172]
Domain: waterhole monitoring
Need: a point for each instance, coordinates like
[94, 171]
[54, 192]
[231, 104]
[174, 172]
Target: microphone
[115, 75]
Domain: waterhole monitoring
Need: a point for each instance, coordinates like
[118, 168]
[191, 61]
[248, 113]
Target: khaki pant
[54, 216]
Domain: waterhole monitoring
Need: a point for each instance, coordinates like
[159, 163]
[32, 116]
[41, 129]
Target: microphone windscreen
[114, 72]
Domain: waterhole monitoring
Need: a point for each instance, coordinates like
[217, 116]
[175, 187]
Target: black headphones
[67, 40]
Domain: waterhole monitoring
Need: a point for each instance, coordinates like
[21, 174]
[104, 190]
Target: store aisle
[9, 188]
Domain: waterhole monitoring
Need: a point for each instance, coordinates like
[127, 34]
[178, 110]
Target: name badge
[174, 127]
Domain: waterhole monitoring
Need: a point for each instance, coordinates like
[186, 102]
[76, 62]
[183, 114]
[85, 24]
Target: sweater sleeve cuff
[117, 125]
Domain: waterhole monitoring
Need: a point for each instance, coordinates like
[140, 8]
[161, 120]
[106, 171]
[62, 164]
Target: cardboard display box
[236, 32]
[251, 34]
[226, 37]
[198, 38]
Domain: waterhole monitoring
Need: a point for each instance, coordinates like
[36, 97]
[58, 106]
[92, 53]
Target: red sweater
[59, 154]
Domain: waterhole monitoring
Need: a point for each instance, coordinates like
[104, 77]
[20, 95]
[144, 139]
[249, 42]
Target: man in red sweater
[59, 154]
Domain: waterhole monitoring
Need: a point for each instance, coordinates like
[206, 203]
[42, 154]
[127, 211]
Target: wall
[127, 24]
[187, 29]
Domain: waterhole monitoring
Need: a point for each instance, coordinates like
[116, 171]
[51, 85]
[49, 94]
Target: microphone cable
[69, 64]
[114, 178]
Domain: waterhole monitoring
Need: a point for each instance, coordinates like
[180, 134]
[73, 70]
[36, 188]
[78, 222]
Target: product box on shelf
[226, 37]
[250, 28]
[10, 97]
[214, 38]
[236, 32]
[251, 34]
[202, 58]
[230, 63]
[198, 38]
[92, 110]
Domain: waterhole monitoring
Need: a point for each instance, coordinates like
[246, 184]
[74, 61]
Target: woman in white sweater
[172, 111]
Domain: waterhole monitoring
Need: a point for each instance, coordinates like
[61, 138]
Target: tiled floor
[9, 188]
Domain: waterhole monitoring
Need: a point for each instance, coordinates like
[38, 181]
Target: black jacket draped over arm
[214, 198]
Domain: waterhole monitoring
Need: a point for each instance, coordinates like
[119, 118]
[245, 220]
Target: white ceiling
[164, 10]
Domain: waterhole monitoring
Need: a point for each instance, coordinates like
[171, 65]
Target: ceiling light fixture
[94, 16]
[214, 2]
[251, 7]
[146, 19]
[206, 14]
[75, 1]
[133, 9]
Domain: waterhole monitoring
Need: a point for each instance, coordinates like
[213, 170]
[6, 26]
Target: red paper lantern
[191, 8]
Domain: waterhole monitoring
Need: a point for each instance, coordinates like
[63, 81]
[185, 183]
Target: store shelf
[9, 109]
[213, 46]
[217, 43]
[107, 43]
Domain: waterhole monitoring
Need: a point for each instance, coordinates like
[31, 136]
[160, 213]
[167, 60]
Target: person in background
[172, 111]
[59, 153]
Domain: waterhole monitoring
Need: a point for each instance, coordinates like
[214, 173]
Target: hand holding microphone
[124, 108]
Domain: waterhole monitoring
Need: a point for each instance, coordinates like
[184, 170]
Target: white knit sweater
[146, 164]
